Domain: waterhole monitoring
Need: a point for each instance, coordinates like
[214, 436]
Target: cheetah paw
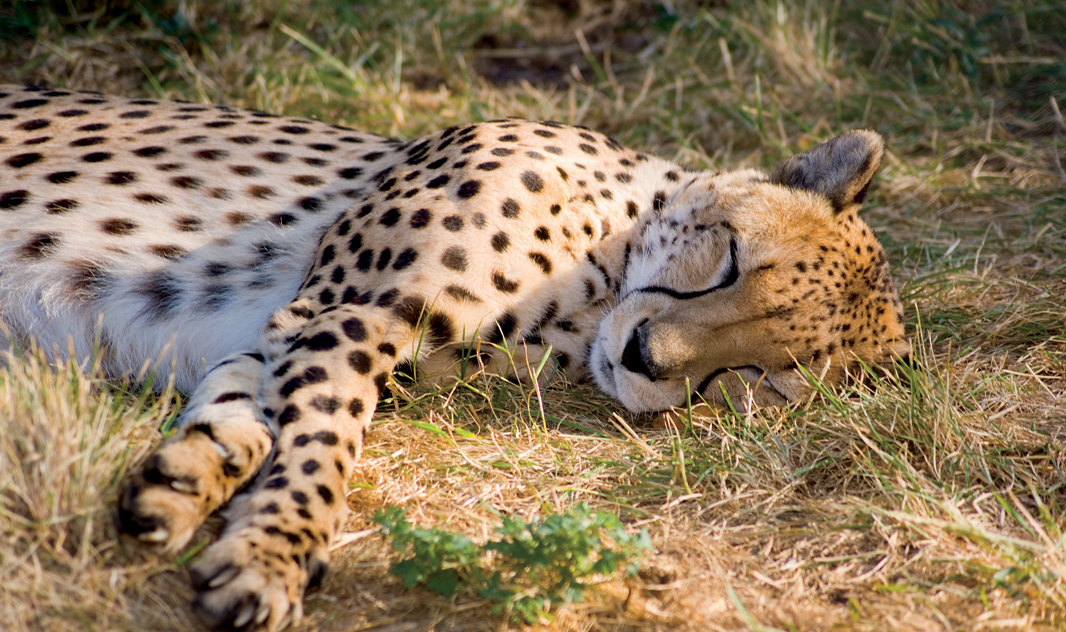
[173, 492]
[243, 584]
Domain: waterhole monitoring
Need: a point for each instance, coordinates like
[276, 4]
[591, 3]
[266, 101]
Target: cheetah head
[738, 279]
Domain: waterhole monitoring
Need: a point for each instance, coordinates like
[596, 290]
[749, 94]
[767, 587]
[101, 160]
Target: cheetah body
[280, 268]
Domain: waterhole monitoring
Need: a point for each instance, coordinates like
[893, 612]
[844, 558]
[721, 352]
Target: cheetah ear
[840, 169]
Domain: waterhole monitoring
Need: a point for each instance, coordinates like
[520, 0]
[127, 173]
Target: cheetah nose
[633, 354]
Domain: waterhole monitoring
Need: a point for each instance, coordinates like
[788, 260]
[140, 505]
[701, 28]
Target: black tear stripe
[730, 279]
[764, 380]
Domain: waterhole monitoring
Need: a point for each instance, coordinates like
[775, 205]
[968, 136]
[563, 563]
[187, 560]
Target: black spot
[244, 140]
[11, 200]
[246, 171]
[310, 204]
[121, 178]
[384, 258]
[454, 223]
[159, 129]
[328, 254]
[500, 242]
[502, 152]
[299, 497]
[504, 284]
[55, 207]
[167, 251]
[282, 220]
[353, 328]
[360, 362]
[188, 224]
[28, 103]
[231, 396]
[658, 202]
[211, 155]
[277, 482]
[437, 164]
[149, 152]
[489, 166]
[355, 407]
[461, 293]
[24, 160]
[541, 260]
[135, 114]
[276, 157]
[543, 133]
[390, 217]
[163, 292]
[322, 341]
[355, 243]
[151, 198]
[421, 218]
[510, 208]
[469, 189]
[631, 209]
[588, 149]
[508, 138]
[187, 182]
[88, 141]
[387, 298]
[325, 494]
[365, 260]
[338, 275]
[438, 182]
[542, 233]
[97, 156]
[32, 125]
[454, 258]
[532, 181]
[118, 226]
[405, 258]
[293, 129]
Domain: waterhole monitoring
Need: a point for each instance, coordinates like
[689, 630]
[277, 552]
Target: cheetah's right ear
[840, 169]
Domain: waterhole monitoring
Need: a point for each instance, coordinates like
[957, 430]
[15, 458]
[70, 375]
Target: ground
[931, 503]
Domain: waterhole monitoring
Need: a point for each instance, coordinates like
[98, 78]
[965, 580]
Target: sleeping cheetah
[281, 268]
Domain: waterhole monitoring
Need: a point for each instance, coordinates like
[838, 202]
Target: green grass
[934, 500]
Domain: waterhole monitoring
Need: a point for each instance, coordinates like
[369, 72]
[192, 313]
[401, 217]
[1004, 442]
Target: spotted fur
[302, 262]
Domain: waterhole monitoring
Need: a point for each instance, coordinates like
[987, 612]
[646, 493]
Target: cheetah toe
[243, 583]
[172, 493]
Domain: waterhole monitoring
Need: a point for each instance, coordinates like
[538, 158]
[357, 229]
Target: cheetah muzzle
[300, 262]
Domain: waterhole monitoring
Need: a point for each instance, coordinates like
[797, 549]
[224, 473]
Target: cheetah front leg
[325, 374]
[221, 443]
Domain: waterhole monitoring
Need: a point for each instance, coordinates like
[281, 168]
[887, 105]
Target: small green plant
[527, 570]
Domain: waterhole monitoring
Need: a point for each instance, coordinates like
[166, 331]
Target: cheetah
[279, 269]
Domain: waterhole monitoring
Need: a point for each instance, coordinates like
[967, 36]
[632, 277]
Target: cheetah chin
[299, 263]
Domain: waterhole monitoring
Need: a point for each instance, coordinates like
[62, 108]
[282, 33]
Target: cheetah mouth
[762, 382]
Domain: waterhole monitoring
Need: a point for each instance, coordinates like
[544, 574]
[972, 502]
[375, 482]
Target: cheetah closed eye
[303, 261]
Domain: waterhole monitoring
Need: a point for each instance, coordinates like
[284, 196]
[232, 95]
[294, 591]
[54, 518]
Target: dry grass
[934, 502]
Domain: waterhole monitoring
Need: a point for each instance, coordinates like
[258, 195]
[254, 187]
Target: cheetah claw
[239, 588]
[165, 500]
